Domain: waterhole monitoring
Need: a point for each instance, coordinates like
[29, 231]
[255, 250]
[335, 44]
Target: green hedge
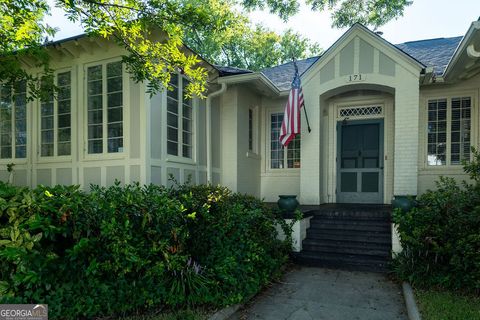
[441, 236]
[119, 250]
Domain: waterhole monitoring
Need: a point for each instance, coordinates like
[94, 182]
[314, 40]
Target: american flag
[291, 118]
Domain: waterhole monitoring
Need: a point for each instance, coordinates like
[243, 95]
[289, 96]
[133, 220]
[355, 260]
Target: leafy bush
[121, 249]
[441, 236]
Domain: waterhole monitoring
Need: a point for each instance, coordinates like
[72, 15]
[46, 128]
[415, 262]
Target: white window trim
[73, 112]
[125, 110]
[473, 128]
[179, 158]
[269, 169]
[16, 160]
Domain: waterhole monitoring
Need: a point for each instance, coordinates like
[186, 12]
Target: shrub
[118, 250]
[441, 238]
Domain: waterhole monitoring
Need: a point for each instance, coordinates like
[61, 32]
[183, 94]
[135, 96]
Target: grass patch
[443, 305]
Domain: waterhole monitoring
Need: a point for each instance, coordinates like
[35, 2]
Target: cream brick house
[386, 120]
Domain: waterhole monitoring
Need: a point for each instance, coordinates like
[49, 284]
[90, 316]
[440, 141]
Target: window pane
[114, 84]
[95, 102]
[63, 148]
[114, 69]
[172, 148]
[47, 150]
[115, 99]
[276, 149]
[460, 130]
[115, 130]
[115, 114]
[64, 135]
[94, 73]
[115, 145]
[95, 146]
[95, 87]
[437, 134]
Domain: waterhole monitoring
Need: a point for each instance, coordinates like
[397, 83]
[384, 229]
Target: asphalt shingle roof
[434, 53]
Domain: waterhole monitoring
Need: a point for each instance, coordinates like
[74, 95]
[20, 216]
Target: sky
[424, 19]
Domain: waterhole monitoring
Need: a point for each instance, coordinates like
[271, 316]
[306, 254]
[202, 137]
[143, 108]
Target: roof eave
[461, 48]
[251, 77]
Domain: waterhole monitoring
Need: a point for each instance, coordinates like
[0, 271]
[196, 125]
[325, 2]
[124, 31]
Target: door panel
[360, 162]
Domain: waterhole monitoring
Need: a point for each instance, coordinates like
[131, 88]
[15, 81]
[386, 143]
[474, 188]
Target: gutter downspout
[209, 129]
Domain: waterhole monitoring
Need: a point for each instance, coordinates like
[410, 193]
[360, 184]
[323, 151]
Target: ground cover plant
[443, 305]
[120, 250]
[440, 237]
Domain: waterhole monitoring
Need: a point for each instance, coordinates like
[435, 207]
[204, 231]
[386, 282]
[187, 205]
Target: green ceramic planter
[287, 203]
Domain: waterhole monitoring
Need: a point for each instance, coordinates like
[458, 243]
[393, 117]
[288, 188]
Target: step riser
[348, 244]
[367, 252]
[346, 228]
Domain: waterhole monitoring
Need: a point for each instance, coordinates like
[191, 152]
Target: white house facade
[386, 120]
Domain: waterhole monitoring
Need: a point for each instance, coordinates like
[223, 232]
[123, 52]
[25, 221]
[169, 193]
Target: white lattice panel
[360, 112]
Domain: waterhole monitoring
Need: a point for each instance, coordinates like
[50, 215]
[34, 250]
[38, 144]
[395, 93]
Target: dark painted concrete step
[350, 222]
[350, 226]
[348, 215]
[320, 249]
[353, 232]
[348, 244]
[378, 238]
[348, 262]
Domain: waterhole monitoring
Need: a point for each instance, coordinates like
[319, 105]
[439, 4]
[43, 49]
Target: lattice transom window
[360, 112]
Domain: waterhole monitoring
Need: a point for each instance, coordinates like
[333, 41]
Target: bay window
[448, 131]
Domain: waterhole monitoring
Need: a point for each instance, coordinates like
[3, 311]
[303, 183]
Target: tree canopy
[215, 29]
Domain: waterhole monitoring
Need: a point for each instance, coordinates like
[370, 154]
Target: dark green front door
[360, 161]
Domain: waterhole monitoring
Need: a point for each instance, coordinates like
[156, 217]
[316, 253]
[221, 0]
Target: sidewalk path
[315, 293]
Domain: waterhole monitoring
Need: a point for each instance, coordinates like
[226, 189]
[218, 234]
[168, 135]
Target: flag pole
[304, 109]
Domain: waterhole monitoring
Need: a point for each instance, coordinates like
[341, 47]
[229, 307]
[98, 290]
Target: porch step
[353, 237]
[369, 249]
[342, 261]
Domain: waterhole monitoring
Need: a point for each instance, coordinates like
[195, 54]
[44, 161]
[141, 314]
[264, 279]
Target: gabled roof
[434, 53]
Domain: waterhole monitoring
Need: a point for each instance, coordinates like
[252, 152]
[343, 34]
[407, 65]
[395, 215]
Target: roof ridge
[423, 40]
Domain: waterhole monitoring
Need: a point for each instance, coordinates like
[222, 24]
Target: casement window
[13, 121]
[105, 108]
[448, 131]
[282, 158]
[55, 119]
[179, 119]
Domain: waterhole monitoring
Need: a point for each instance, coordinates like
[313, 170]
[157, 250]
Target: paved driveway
[315, 293]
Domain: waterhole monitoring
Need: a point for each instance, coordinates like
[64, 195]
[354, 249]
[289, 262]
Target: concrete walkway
[315, 293]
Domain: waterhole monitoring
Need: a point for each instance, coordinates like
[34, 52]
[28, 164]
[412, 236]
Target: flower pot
[287, 203]
[404, 203]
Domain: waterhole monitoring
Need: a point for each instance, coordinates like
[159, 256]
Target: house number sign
[357, 77]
